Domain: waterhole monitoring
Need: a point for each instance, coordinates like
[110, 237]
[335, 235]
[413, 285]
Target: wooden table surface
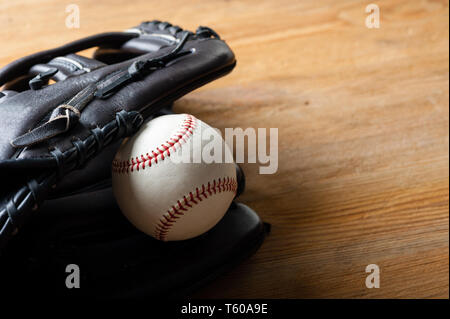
[363, 119]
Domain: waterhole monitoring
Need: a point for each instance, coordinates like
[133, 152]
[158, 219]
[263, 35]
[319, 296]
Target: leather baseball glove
[62, 118]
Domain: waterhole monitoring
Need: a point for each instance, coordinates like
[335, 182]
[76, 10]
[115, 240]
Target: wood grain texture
[363, 119]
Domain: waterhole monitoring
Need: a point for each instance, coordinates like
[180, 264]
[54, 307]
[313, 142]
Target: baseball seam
[226, 184]
[160, 153]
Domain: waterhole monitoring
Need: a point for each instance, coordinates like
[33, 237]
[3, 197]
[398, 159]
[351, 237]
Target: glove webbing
[29, 197]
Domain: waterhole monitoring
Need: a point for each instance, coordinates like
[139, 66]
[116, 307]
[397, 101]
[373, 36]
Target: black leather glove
[54, 142]
[49, 130]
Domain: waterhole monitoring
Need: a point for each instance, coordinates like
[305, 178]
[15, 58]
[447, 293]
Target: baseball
[163, 197]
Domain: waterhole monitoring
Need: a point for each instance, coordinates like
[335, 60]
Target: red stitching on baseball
[226, 184]
[162, 151]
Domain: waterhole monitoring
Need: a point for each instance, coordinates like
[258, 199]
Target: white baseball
[165, 199]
